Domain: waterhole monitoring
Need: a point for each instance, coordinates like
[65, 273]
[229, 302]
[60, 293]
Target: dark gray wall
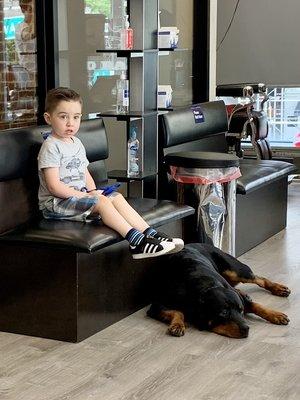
[262, 44]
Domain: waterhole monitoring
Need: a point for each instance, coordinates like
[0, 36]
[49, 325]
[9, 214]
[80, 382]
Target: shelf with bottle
[162, 110]
[122, 176]
[135, 151]
[126, 116]
[128, 53]
[136, 91]
[165, 50]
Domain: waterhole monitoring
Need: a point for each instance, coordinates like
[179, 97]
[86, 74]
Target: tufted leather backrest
[179, 127]
[18, 168]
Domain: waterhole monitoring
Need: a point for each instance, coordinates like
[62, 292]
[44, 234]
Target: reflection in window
[175, 67]
[18, 66]
[81, 32]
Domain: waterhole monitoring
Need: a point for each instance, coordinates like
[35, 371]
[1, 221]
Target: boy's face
[64, 119]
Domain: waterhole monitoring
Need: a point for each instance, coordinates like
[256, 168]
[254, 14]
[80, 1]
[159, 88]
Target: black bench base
[260, 214]
[69, 296]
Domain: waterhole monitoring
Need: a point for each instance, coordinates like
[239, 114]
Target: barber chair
[244, 120]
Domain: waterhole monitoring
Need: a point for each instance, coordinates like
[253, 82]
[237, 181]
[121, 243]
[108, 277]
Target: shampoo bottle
[133, 145]
[122, 94]
[127, 35]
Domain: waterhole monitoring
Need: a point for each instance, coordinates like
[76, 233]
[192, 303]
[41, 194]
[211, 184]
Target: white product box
[168, 37]
[164, 96]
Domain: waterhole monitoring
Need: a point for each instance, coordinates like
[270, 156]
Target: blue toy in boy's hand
[110, 188]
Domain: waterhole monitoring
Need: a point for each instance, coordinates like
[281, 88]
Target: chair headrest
[179, 126]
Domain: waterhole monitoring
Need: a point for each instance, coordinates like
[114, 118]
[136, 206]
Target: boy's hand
[96, 192]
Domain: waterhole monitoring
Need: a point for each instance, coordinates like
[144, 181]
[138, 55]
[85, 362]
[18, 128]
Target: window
[175, 67]
[18, 64]
[81, 34]
[283, 110]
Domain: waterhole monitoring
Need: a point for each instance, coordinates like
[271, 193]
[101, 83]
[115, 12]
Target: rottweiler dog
[197, 285]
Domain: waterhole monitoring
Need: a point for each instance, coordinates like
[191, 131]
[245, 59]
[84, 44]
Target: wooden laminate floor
[135, 360]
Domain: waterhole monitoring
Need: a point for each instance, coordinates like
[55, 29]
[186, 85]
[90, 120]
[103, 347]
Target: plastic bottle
[126, 36]
[107, 34]
[122, 94]
[133, 145]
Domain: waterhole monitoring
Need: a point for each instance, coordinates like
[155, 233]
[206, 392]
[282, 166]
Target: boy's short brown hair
[55, 96]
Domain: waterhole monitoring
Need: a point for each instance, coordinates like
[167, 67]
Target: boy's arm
[58, 188]
[90, 183]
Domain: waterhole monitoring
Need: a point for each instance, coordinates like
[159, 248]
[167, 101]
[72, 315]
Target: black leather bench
[62, 279]
[261, 190]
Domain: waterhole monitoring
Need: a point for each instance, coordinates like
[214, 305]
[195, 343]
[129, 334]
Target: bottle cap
[123, 75]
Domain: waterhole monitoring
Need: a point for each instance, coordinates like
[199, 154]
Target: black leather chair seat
[257, 173]
[90, 237]
[201, 159]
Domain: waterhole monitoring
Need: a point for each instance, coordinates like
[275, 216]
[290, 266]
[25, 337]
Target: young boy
[68, 191]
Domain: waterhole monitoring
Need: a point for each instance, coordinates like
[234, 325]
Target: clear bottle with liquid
[107, 34]
[122, 94]
[133, 145]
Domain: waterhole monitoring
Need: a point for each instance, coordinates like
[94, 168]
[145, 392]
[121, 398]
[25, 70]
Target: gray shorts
[72, 208]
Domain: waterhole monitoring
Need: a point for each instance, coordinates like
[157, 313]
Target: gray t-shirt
[71, 160]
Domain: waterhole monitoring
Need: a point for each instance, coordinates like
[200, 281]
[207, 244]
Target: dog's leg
[275, 288]
[234, 271]
[275, 317]
[174, 318]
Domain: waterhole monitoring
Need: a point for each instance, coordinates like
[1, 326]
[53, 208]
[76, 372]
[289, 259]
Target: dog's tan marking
[231, 330]
[273, 287]
[273, 316]
[231, 277]
[176, 321]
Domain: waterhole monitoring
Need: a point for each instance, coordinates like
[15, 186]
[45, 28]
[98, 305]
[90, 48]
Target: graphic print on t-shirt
[72, 171]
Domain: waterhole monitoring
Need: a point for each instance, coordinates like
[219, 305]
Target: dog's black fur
[197, 285]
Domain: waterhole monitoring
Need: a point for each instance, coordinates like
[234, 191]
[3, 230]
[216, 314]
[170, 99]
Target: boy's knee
[102, 200]
[116, 196]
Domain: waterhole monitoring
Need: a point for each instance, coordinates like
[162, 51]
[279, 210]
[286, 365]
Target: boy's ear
[47, 118]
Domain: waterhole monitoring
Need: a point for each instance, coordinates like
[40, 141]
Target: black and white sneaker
[150, 247]
[163, 238]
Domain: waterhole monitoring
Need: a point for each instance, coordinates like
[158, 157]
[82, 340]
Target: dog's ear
[246, 300]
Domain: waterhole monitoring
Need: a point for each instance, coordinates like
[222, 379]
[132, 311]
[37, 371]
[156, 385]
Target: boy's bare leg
[128, 213]
[111, 216]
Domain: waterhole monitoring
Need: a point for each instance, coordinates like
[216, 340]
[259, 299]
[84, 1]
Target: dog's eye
[224, 314]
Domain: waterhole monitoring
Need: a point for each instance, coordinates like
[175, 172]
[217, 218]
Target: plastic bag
[204, 176]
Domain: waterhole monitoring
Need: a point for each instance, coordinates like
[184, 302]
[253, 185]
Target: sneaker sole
[166, 250]
[179, 245]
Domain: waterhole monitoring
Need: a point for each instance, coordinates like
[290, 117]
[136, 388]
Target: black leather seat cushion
[256, 173]
[201, 159]
[89, 237]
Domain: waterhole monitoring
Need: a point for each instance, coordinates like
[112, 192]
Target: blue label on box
[198, 114]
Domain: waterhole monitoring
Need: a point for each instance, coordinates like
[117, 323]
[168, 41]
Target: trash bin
[207, 181]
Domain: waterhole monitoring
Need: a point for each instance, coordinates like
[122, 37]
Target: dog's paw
[279, 318]
[176, 329]
[280, 290]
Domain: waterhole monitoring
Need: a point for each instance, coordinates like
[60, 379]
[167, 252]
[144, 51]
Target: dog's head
[222, 311]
